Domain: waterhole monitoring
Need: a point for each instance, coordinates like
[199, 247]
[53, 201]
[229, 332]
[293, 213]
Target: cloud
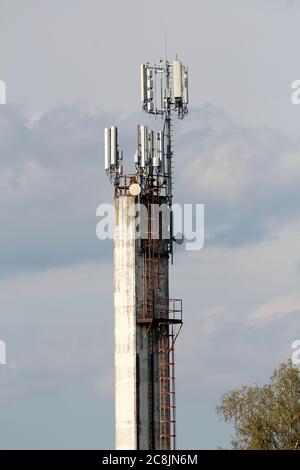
[57, 281]
[278, 307]
[58, 327]
[248, 178]
[291, 3]
[51, 181]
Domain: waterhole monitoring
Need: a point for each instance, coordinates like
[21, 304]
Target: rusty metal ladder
[167, 389]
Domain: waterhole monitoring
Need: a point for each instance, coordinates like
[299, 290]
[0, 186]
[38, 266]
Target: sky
[71, 68]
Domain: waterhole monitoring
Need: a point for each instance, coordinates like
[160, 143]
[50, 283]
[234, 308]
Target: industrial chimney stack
[147, 320]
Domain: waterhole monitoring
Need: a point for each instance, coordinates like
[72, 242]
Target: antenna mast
[147, 320]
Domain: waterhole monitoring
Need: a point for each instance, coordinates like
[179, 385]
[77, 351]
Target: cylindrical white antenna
[144, 145]
[177, 77]
[113, 145]
[107, 148]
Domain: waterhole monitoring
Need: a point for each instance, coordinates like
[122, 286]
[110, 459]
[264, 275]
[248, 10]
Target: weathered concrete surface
[125, 326]
[137, 358]
[148, 357]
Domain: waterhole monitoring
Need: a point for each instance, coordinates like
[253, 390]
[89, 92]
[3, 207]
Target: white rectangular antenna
[107, 148]
[160, 150]
[143, 83]
[177, 77]
[185, 85]
[155, 157]
[2, 92]
[113, 145]
[144, 145]
[166, 91]
[150, 145]
[150, 93]
[139, 153]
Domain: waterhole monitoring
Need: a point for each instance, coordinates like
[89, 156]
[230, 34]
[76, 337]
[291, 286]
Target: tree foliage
[266, 417]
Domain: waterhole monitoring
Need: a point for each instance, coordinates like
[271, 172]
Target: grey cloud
[248, 178]
[52, 179]
[58, 328]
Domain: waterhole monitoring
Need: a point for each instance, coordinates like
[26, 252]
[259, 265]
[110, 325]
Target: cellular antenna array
[147, 320]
